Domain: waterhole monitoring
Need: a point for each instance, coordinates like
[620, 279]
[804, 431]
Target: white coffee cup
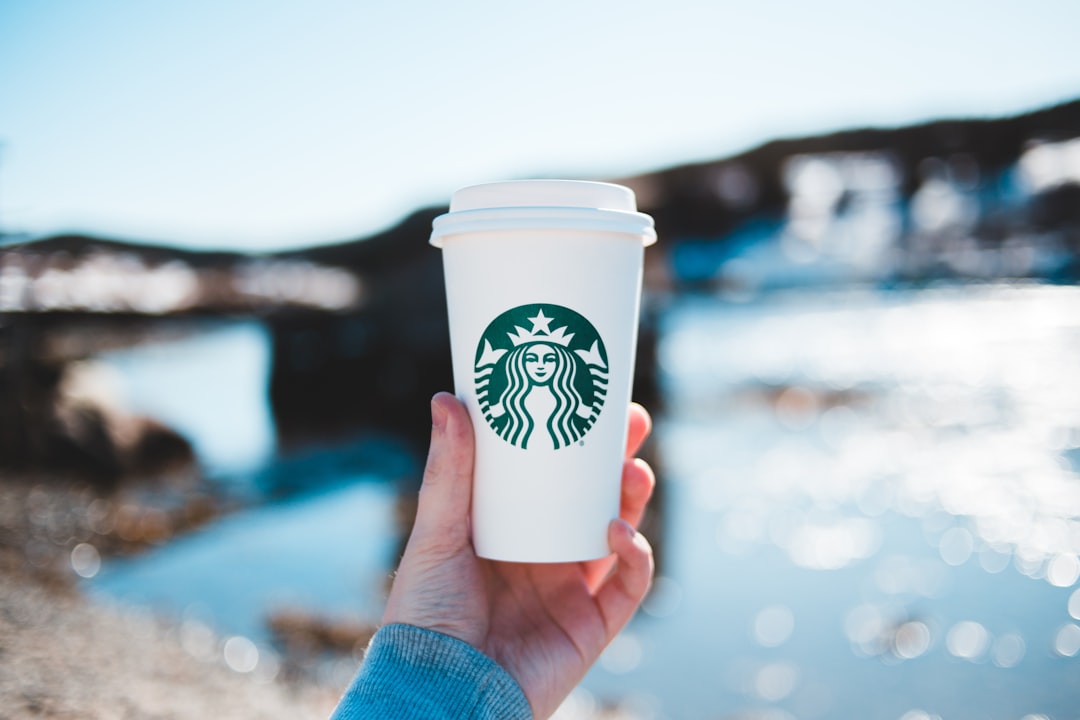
[543, 285]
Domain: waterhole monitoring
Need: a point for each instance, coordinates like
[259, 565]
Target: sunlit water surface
[871, 510]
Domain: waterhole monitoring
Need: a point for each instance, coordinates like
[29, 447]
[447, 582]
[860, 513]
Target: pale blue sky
[259, 125]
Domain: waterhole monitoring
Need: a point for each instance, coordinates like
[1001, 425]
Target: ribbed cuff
[412, 673]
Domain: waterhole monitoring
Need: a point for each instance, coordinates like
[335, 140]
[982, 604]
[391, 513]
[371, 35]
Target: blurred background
[221, 323]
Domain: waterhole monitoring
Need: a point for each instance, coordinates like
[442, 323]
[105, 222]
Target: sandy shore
[63, 656]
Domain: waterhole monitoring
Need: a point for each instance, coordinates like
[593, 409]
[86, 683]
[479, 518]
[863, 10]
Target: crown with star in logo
[541, 332]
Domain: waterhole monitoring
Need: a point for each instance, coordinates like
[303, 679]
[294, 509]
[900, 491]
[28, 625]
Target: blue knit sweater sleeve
[410, 673]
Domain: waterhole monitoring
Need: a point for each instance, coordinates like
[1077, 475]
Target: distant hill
[710, 198]
[689, 199]
[706, 200]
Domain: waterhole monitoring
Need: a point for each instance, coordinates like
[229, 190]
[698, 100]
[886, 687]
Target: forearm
[409, 672]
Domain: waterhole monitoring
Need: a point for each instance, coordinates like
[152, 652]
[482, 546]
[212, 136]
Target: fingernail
[438, 414]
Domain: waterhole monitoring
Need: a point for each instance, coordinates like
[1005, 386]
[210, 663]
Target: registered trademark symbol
[581, 443]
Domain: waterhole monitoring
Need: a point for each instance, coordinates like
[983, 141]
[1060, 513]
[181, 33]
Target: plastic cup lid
[544, 205]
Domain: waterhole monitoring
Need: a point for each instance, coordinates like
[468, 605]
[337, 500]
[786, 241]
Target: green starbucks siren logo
[541, 376]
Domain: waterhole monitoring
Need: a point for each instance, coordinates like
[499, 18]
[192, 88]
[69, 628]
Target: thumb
[443, 507]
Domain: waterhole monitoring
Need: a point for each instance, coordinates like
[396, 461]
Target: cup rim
[548, 205]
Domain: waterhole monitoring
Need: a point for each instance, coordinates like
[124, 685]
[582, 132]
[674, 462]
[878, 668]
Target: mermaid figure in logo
[540, 392]
[545, 392]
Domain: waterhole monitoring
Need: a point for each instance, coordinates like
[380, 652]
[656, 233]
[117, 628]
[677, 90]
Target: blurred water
[318, 532]
[872, 511]
[211, 387]
[326, 553]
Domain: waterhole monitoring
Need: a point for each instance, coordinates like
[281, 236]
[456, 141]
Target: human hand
[545, 624]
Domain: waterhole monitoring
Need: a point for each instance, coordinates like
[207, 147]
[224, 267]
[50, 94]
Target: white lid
[545, 205]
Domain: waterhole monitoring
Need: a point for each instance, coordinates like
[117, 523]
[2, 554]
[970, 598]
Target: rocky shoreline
[63, 655]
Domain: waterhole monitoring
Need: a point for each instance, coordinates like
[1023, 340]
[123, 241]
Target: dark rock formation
[42, 427]
[375, 367]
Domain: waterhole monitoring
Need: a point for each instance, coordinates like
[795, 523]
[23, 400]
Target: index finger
[639, 428]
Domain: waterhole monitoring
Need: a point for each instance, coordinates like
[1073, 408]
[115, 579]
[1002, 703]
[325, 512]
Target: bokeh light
[1008, 650]
[968, 640]
[776, 681]
[773, 625]
[912, 639]
[664, 598]
[85, 560]
[623, 655]
[241, 655]
[1067, 640]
